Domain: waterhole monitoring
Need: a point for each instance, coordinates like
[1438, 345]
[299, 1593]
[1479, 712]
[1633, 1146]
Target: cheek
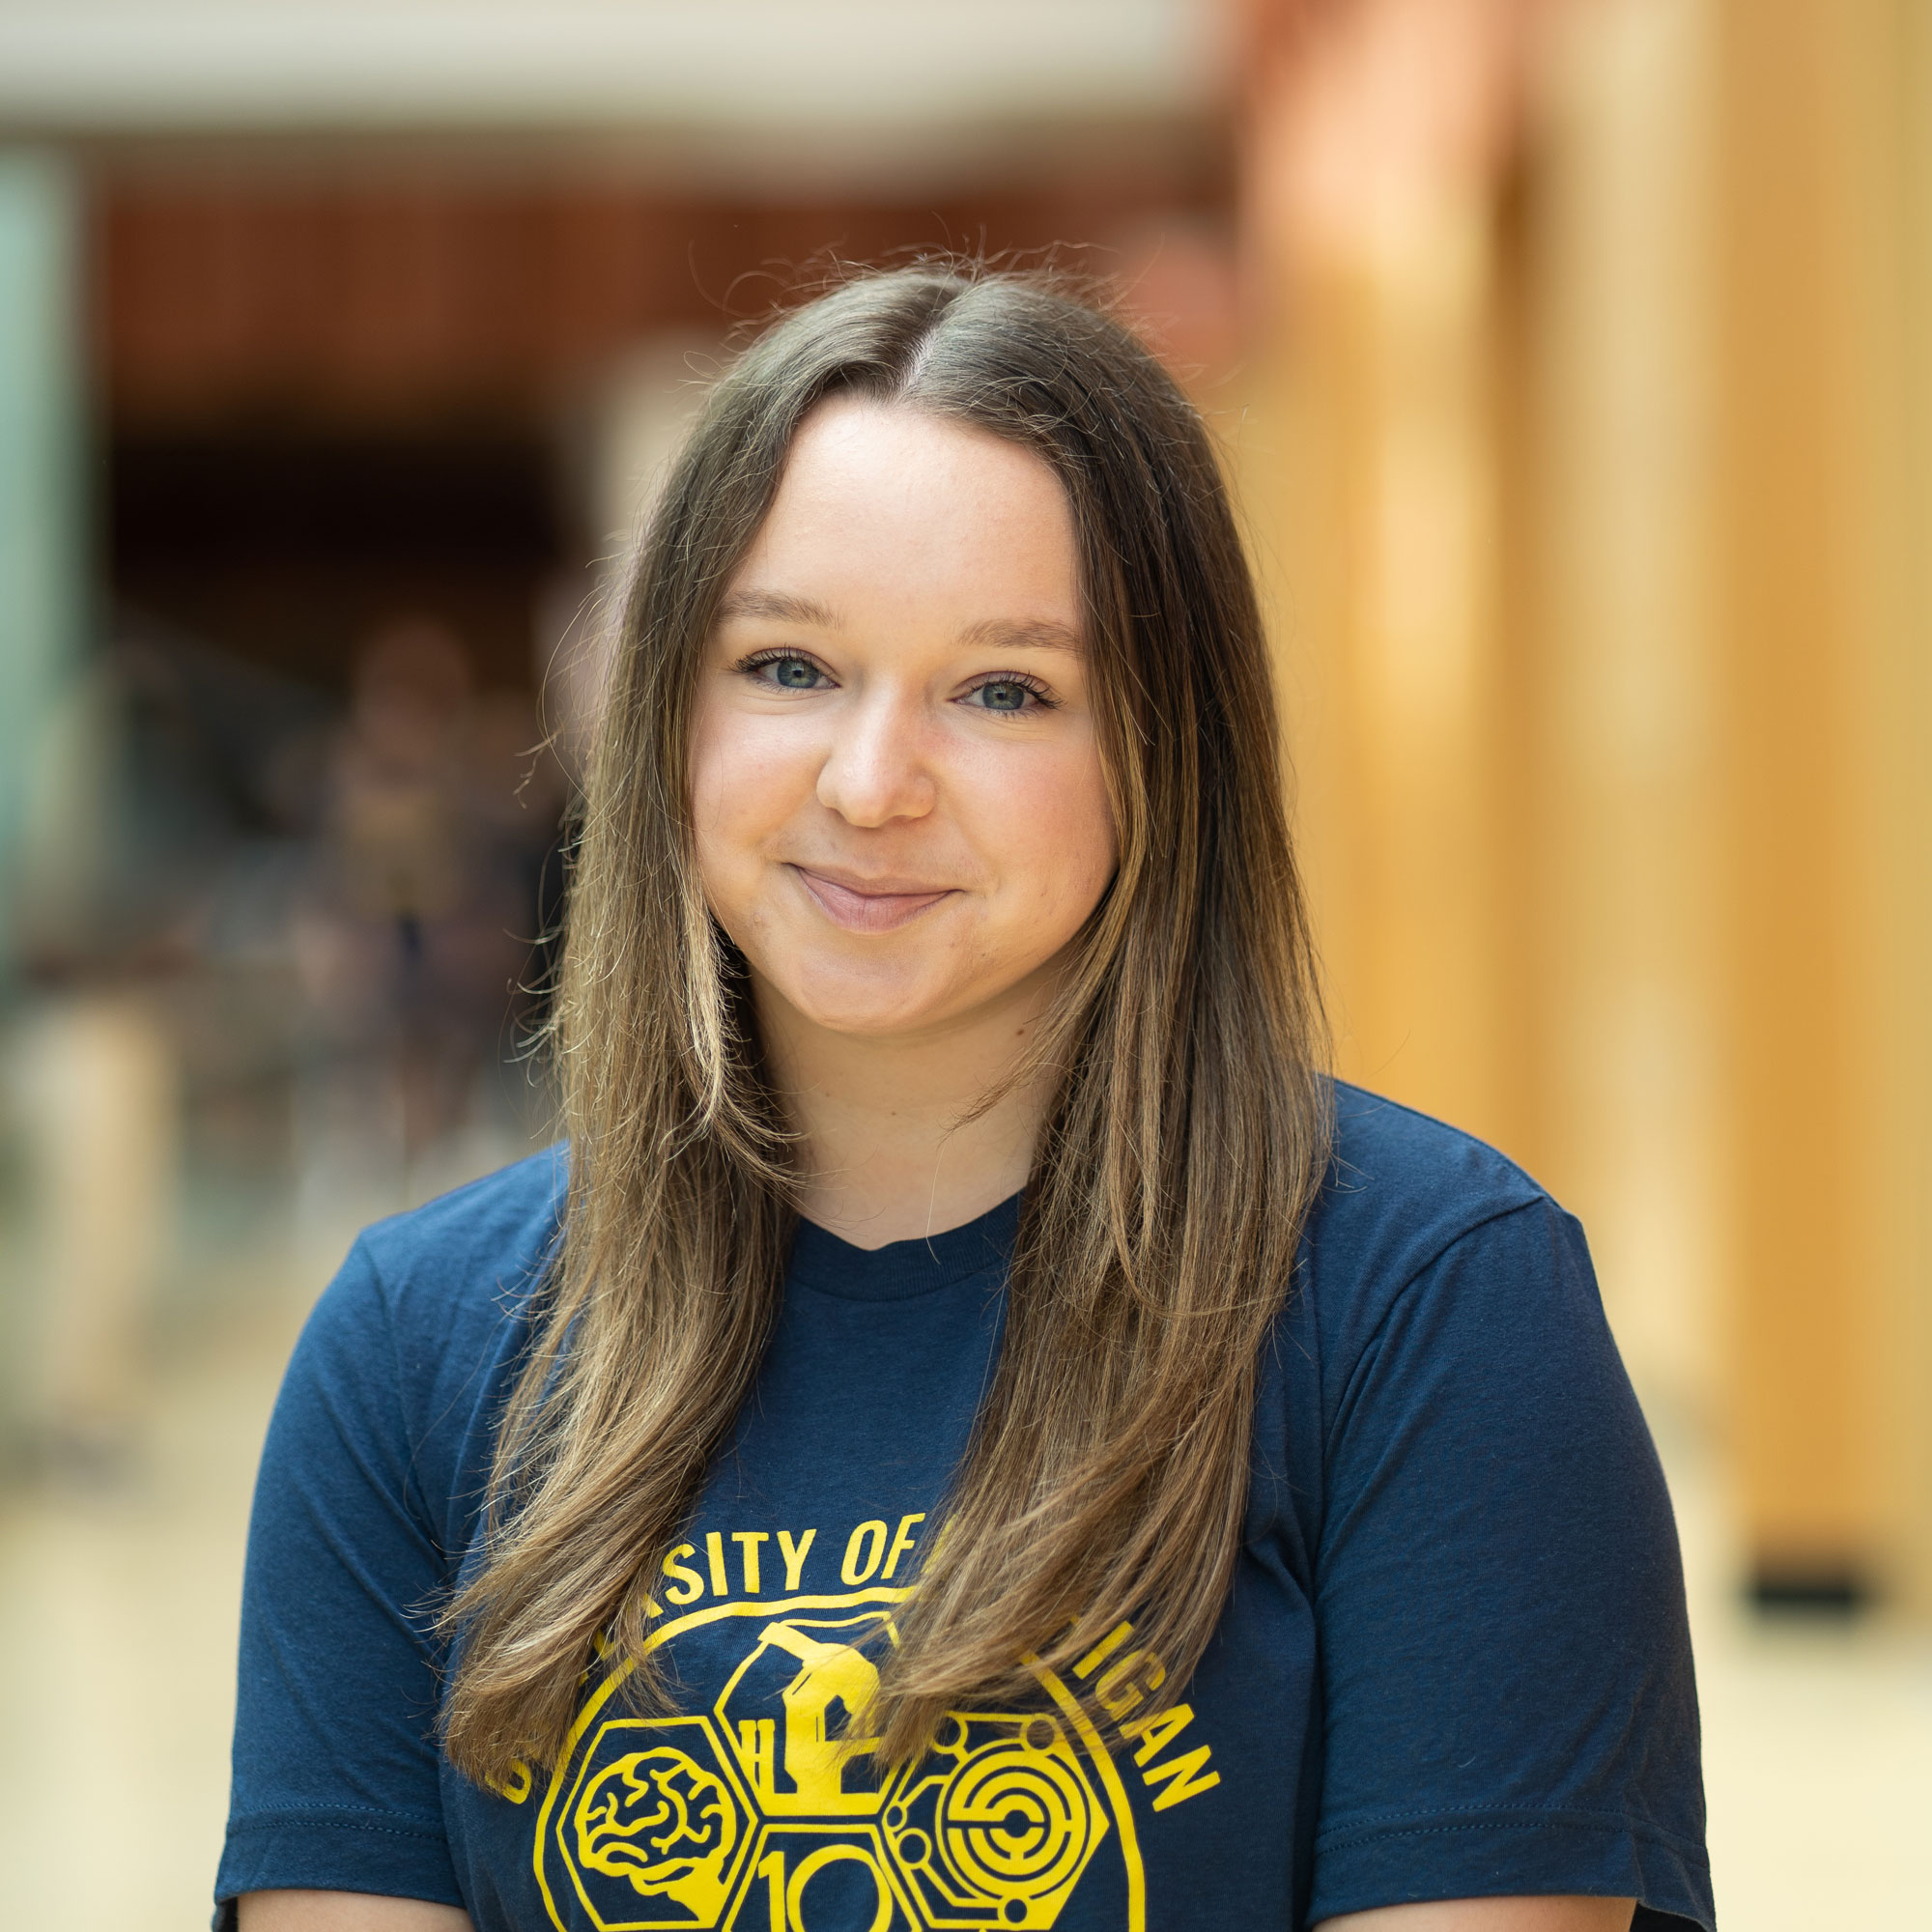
[1057, 827]
[740, 792]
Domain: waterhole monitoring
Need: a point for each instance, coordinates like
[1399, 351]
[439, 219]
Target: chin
[866, 1005]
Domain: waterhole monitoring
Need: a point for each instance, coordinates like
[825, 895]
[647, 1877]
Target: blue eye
[793, 673]
[1003, 695]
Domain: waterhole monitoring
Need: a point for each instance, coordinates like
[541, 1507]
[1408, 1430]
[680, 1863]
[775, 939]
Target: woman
[981, 1435]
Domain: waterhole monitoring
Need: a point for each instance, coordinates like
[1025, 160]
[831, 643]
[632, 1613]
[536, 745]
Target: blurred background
[1574, 358]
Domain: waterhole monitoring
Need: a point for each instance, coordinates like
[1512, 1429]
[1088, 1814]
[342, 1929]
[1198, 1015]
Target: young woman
[976, 1433]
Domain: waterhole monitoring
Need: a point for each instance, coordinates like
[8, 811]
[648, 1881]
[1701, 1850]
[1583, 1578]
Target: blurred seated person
[150, 786]
[432, 815]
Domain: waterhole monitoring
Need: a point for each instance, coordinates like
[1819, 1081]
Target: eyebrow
[779, 608]
[1040, 634]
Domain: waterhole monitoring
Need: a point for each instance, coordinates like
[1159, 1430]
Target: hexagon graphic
[787, 1714]
[655, 1830]
[996, 1827]
[807, 1874]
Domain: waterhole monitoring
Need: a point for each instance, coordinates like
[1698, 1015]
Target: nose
[875, 768]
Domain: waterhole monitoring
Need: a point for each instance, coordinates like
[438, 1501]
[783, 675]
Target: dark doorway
[284, 550]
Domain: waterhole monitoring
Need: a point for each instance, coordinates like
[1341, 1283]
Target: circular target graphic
[1014, 1821]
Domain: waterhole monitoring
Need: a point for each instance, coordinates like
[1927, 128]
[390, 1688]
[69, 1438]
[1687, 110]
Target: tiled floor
[1817, 1749]
[117, 1629]
[117, 1620]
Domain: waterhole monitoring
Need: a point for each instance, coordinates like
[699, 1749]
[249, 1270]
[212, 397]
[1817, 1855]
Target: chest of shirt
[759, 1804]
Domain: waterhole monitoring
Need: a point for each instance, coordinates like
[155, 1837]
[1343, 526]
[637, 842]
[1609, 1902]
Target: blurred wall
[1590, 461]
[44, 560]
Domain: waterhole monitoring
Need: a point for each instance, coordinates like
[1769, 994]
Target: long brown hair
[1107, 1474]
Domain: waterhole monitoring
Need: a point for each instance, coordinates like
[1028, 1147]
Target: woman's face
[900, 814]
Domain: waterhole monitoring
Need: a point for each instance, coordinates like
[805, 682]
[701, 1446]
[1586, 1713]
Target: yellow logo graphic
[998, 1826]
[663, 1824]
[654, 1830]
[768, 1814]
[822, 1680]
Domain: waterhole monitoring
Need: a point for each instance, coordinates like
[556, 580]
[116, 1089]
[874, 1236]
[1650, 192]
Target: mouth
[870, 905]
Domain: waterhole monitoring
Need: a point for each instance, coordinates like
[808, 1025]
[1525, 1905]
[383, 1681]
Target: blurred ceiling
[745, 89]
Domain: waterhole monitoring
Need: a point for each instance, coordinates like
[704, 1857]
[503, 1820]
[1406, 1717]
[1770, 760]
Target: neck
[886, 1155]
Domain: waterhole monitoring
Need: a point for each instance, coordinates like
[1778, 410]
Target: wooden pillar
[1610, 531]
[1599, 532]
[1372, 472]
[1825, 710]
[1905, 1444]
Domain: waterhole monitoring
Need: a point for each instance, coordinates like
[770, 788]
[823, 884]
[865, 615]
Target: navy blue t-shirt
[1454, 1661]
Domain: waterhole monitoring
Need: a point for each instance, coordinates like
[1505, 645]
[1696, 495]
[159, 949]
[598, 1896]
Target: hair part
[1107, 1473]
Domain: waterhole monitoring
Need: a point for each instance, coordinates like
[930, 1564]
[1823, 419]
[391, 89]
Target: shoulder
[480, 1247]
[396, 1383]
[1483, 1530]
[1412, 1209]
[1402, 1187]
[434, 1301]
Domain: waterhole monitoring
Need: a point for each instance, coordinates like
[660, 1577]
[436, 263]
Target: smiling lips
[871, 905]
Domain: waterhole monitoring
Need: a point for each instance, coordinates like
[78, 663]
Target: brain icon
[661, 1821]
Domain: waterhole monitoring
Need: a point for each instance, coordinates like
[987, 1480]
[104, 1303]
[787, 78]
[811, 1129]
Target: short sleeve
[335, 1769]
[1509, 1702]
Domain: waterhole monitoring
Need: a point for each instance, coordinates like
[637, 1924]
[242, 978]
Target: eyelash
[758, 660]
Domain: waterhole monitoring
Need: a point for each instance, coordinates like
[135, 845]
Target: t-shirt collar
[822, 1261]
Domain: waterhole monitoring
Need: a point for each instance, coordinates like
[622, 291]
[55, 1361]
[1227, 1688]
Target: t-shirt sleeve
[1509, 1703]
[335, 1769]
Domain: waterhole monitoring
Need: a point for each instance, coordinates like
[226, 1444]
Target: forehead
[882, 507]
